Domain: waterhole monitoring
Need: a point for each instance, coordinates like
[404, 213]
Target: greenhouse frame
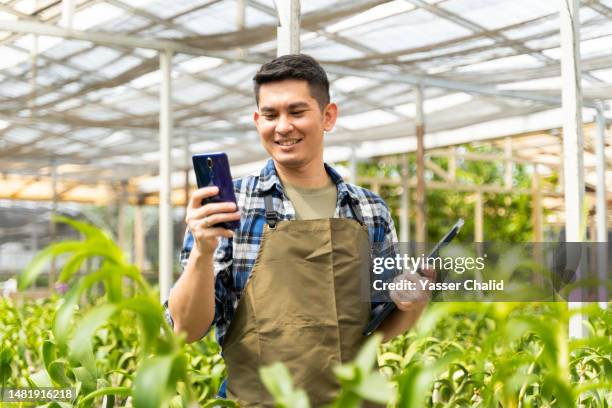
[106, 100]
[482, 122]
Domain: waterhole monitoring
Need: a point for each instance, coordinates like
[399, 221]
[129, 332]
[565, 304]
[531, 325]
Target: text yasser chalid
[426, 284]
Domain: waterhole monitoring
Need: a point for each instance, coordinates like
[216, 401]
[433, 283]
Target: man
[286, 285]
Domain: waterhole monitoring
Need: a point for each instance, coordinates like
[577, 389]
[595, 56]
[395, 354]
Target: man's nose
[284, 125]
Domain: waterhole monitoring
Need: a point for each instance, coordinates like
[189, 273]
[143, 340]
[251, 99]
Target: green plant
[460, 354]
[153, 373]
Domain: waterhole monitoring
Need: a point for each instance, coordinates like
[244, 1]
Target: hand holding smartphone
[212, 169]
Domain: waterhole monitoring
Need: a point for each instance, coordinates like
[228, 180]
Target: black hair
[295, 66]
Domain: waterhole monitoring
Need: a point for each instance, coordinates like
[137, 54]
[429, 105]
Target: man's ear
[329, 116]
[256, 118]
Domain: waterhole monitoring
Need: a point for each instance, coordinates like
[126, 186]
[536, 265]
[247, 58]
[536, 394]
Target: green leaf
[35, 267]
[219, 402]
[80, 345]
[123, 391]
[49, 353]
[150, 314]
[277, 380]
[347, 373]
[113, 287]
[63, 317]
[89, 231]
[300, 399]
[367, 355]
[41, 379]
[156, 380]
[57, 372]
[5, 365]
[86, 378]
[560, 389]
[375, 388]
[72, 266]
[56, 404]
[417, 379]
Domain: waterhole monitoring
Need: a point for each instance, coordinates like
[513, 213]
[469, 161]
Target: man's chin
[289, 161]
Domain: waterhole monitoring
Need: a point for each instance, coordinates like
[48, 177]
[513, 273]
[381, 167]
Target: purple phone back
[212, 169]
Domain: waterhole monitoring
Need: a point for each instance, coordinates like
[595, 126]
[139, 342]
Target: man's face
[291, 124]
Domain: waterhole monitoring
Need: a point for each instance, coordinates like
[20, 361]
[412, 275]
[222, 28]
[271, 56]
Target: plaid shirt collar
[268, 179]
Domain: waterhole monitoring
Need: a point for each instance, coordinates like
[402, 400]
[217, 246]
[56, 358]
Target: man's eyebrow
[294, 105]
[298, 105]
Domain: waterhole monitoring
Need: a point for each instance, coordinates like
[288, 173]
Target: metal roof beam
[599, 7]
[118, 40]
[519, 46]
[429, 80]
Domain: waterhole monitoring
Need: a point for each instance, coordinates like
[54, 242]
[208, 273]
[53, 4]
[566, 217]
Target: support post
[573, 143]
[288, 31]
[353, 164]
[165, 205]
[601, 211]
[508, 164]
[538, 219]
[600, 153]
[405, 201]
[67, 14]
[241, 6]
[452, 164]
[187, 171]
[536, 207]
[139, 238]
[375, 187]
[478, 218]
[53, 267]
[241, 14]
[34, 75]
[122, 203]
[420, 164]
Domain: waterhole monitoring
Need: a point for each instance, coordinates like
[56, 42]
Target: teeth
[289, 142]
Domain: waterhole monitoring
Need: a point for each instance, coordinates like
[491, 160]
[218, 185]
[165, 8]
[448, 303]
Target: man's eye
[269, 116]
[298, 113]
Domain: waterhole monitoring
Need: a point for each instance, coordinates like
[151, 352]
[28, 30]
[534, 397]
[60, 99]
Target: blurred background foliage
[507, 215]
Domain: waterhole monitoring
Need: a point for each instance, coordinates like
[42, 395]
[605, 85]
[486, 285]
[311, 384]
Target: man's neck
[311, 176]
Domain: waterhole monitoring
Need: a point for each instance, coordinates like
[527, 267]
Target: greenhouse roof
[85, 100]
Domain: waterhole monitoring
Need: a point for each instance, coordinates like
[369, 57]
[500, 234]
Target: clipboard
[381, 312]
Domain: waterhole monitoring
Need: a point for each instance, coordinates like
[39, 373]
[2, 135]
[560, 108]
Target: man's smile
[287, 142]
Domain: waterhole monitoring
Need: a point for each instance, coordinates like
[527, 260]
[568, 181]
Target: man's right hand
[201, 219]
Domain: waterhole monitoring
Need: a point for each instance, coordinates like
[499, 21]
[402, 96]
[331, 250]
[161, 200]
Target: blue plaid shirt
[234, 257]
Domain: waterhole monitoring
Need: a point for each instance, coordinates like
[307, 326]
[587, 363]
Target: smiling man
[287, 284]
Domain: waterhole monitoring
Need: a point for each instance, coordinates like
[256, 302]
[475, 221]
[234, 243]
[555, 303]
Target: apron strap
[270, 213]
[271, 217]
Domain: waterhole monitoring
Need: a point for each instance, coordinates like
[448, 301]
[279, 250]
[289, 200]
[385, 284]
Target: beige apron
[303, 305]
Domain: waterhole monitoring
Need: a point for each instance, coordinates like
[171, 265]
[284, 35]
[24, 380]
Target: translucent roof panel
[95, 103]
[94, 59]
[399, 32]
[493, 15]
[211, 19]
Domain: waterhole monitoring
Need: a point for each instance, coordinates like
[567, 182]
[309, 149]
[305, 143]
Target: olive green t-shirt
[313, 203]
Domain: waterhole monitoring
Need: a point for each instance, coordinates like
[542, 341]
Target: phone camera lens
[209, 162]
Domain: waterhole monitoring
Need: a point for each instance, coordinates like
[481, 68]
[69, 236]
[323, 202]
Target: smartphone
[381, 312]
[212, 169]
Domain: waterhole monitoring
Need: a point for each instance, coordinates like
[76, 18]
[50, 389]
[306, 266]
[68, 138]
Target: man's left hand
[407, 300]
